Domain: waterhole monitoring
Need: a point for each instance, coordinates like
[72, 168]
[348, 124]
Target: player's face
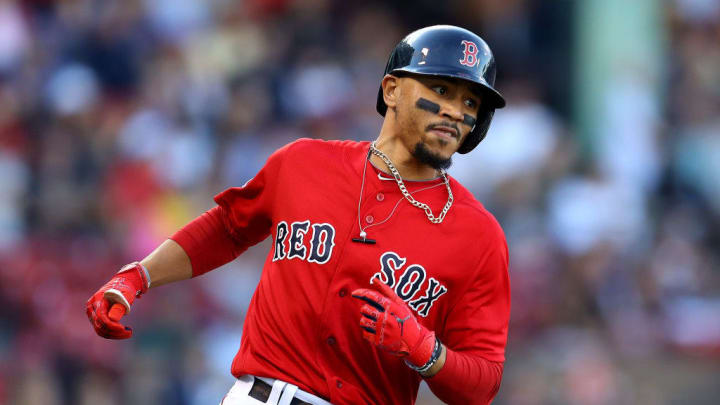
[436, 114]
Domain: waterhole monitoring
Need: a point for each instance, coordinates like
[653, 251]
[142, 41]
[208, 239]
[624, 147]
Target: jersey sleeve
[241, 219]
[478, 323]
[206, 242]
[248, 210]
[466, 379]
[475, 332]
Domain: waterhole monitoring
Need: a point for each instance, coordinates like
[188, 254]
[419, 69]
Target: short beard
[424, 156]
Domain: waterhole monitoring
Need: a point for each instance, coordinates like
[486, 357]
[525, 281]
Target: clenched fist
[389, 324]
[129, 283]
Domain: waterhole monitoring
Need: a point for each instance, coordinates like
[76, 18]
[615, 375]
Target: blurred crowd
[119, 120]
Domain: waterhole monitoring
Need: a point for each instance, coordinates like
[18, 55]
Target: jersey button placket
[331, 341]
[342, 292]
[380, 197]
[369, 219]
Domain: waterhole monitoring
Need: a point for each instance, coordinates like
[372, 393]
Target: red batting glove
[388, 323]
[130, 282]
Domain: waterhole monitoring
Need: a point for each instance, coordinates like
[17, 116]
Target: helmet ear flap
[380, 105]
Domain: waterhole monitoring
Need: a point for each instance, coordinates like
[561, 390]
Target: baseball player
[383, 271]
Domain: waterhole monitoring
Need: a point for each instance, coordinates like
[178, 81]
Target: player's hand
[113, 300]
[389, 324]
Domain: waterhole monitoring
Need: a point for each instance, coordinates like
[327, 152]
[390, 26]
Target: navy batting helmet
[449, 51]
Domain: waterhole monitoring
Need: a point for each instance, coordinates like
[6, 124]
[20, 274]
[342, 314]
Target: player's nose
[450, 110]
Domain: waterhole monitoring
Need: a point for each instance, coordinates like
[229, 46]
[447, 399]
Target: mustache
[445, 124]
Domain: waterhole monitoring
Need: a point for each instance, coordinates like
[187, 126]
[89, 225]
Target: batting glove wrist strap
[130, 282]
[433, 358]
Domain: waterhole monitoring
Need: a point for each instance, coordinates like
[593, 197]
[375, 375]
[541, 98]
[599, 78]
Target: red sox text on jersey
[290, 244]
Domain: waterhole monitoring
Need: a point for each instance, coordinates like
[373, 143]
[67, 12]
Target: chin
[437, 159]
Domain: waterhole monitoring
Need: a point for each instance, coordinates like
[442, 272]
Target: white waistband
[282, 392]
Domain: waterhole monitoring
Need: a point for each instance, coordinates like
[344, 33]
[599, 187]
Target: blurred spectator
[14, 37]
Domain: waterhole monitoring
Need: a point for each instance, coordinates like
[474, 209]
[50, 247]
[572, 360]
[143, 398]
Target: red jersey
[302, 325]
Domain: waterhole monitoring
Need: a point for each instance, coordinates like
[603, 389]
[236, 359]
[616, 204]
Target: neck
[403, 160]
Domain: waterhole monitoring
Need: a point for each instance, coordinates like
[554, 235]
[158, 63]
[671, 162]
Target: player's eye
[471, 103]
[441, 90]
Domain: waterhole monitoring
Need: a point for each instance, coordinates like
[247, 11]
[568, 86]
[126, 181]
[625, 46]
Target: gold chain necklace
[408, 196]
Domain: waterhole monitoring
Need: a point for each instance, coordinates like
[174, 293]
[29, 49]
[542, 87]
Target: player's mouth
[444, 132]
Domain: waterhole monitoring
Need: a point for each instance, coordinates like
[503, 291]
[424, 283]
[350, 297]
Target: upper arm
[248, 211]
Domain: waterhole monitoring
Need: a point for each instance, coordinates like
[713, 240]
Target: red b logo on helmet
[470, 52]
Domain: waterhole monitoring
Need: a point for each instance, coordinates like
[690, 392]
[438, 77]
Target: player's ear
[390, 87]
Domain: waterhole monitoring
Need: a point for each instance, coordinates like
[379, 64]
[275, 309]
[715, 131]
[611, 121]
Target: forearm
[465, 379]
[167, 263]
[195, 249]
[198, 247]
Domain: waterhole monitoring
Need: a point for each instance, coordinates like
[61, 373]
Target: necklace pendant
[364, 240]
